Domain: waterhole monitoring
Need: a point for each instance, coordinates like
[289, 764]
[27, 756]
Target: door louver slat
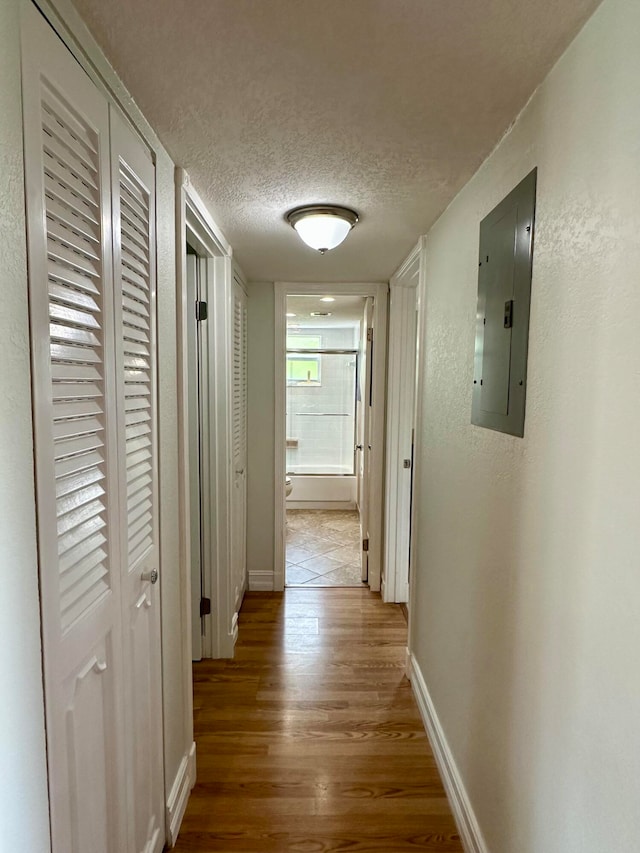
[239, 379]
[135, 274]
[76, 341]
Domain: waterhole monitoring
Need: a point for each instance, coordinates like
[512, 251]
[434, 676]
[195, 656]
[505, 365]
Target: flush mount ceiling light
[289, 314]
[327, 299]
[322, 227]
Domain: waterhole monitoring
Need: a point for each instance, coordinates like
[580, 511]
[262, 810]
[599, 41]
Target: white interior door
[363, 446]
[401, 374]
[239, 432]
[133, 199]
[72, 327]
[90, 208]
[195, 501]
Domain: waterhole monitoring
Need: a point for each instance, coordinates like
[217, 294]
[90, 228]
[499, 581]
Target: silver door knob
[358, 447]
[151, 576]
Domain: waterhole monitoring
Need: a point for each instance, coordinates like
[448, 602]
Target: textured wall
[260, 428]
[24, 816]
[528, 570]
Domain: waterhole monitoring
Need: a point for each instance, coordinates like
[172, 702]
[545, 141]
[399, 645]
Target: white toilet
[288, 483]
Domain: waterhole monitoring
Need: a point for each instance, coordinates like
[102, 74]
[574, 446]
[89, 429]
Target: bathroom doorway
[323, 405]
[328, 380]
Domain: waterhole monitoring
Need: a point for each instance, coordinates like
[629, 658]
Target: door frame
[421, 348]
[195, 225]
[401, 398]
[379, 292]
[239, 541]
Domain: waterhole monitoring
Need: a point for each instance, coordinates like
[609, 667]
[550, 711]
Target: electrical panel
[504, 296]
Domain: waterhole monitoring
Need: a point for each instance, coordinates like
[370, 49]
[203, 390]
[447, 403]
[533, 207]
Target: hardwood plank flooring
[310, 739]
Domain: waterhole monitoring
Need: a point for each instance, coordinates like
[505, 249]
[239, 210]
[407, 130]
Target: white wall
[24, 816]
[261, 434]
[526, 608]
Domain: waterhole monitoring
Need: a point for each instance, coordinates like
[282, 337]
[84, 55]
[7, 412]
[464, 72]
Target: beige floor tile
[346, 553]
[321, 564]
[297, 575]
[326, 545]
[297, 554]
[342, 576]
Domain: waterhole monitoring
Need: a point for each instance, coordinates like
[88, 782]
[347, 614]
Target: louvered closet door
[133, 181]
[71, 310]
[239, 430]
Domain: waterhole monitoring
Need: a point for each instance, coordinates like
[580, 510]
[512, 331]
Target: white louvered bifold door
[133, 182]
[239, 436]
[71, 312]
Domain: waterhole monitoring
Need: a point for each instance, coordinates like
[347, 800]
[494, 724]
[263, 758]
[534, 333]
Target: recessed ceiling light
[327, 299]
[290, 315]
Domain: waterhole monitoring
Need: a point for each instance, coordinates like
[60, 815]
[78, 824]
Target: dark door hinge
[365, 544]
[201, 311]
[205, 606]
[508, 314]
[370, 334]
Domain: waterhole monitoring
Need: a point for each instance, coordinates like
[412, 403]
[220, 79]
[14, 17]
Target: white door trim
[400, 423]
[194, 221]
[239, 449]
[418, 420]
[380, 293]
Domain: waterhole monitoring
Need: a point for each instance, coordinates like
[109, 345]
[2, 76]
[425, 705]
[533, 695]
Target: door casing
[216, 275]
[379, 293]
[401, 397]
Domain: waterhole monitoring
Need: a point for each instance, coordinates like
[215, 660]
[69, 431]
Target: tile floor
[323, 548]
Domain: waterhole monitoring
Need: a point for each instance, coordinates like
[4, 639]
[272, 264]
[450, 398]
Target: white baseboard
[321, 505]
[179, 794]
[468, 827]
[261, 581]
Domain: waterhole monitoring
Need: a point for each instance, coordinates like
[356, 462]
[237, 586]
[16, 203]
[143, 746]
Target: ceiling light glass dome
[322, 227]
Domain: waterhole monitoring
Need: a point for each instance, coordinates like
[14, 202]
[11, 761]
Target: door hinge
[205, 606]
[508, 314]
[406, 463]
[370, 334]
[365, 544]
[201, 311]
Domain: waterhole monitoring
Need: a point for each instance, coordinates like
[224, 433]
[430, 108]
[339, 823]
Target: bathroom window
[303, 368]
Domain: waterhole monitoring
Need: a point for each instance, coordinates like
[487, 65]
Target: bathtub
[322, 491]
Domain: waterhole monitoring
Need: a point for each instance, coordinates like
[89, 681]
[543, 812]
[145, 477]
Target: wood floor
[310, 740]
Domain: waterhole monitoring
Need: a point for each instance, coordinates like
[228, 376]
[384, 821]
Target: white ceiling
[345, 311]
[387, 106]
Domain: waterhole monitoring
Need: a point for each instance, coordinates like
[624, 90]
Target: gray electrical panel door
[504, 295]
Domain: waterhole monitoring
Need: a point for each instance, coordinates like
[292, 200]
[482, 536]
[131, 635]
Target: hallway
[310, 740]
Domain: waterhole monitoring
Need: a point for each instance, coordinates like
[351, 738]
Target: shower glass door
[321, 410]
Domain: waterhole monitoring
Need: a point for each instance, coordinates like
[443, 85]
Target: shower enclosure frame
[330, 351]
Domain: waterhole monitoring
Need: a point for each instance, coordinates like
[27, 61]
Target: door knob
[239, 470]
[359, 446]
[151, 576]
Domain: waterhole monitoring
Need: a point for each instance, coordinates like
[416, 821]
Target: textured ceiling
[387, 106]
